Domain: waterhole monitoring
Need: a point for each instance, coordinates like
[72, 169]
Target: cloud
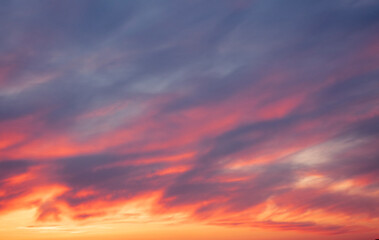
[260, 112]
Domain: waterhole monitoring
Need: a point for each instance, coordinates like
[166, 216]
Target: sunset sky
[189, 120]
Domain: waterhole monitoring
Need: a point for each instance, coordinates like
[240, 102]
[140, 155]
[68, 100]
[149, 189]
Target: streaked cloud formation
[245, 114]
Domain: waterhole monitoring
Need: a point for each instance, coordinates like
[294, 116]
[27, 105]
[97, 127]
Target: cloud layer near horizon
[235, 113]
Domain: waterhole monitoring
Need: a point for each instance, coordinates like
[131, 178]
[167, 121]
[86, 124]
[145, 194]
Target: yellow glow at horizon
[21, 225]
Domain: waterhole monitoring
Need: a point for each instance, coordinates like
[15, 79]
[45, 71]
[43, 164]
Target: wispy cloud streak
[264, 113]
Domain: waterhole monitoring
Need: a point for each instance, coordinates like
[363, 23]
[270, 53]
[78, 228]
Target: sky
[201, 119]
